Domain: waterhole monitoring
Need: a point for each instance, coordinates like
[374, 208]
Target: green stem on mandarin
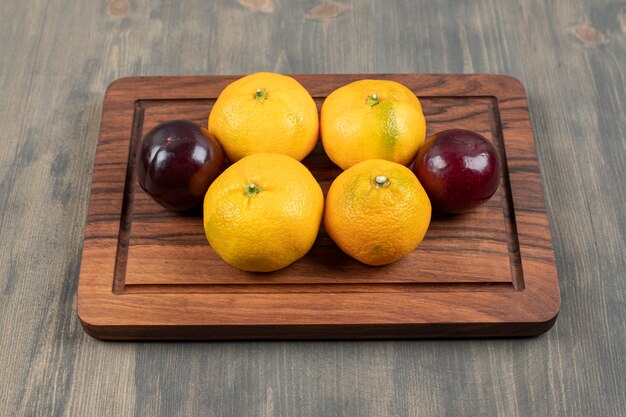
[251, 190]
[260, 95]
[373, 99]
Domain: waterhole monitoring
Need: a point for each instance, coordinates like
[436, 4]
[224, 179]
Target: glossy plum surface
[459, 169]
[176, 163]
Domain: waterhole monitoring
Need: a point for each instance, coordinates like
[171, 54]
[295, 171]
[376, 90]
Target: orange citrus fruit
[265, 112]
[263, 212]
[377, 211]
[372, 119]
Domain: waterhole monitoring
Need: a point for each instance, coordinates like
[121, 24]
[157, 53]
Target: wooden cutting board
[150, 274]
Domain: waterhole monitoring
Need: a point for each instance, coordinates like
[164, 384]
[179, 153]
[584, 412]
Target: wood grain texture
[148, 274]
[59, 56]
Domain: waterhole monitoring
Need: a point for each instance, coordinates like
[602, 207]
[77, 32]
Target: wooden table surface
[57, 58]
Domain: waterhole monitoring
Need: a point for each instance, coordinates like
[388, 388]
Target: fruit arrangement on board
[263, 212]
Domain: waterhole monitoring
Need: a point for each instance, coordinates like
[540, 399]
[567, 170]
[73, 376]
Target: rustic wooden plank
[59, 56]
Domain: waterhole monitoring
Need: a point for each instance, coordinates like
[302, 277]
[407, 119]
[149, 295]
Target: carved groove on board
[507, 202]
[120, 286]
[123, 239]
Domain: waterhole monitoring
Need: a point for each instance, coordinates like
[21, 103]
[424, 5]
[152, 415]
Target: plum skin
[176, 163]
[459, 169]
